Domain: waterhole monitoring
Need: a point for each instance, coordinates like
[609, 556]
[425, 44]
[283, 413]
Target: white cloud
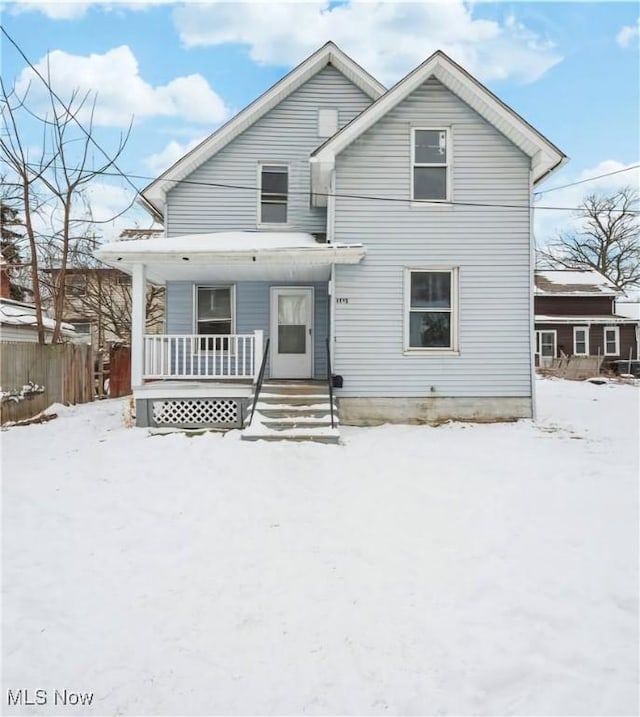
[74, 9]
[387, 38]
[171, 153]
[52, 9]
[549, 222]
[626, 35]
[122, 92]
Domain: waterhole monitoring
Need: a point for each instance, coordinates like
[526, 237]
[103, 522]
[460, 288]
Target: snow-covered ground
[465, 569]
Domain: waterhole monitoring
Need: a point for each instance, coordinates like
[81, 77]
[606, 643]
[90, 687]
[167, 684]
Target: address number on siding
[342, 300]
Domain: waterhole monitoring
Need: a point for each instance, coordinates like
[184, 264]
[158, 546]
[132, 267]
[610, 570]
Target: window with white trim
[274, 190]
[580, 340]
[611, 341]
[430, 164]
[431, 309]
[214, 317]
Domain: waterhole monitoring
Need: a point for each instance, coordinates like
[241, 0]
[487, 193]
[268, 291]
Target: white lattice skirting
[196, 412]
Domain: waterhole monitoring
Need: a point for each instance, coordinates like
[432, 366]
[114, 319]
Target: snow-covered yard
[465, 569]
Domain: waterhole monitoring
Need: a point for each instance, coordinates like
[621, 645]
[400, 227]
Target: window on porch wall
[214, 316]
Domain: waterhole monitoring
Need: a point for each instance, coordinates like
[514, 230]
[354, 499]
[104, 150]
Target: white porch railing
[193, 356]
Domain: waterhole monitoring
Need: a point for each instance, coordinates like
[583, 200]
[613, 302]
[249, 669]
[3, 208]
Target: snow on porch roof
[231, 255]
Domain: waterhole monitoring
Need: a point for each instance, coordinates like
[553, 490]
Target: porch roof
[237, 256]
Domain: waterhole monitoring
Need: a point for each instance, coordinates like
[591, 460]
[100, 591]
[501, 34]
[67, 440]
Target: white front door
[291, 332]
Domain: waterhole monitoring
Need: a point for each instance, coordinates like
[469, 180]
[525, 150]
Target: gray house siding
[490, 246]
[286, 134]
[251, 312]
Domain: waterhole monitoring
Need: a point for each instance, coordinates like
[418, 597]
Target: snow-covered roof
[17, 313]
[232, 255]
[573, 282]
[236, 241]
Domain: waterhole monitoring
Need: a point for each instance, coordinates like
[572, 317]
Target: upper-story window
[274, 189]
[430, 164]
[76, 285]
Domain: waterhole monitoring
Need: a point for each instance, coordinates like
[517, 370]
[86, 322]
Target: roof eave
[154, 193]
[446, 71]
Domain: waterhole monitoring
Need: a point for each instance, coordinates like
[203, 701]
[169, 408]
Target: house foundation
[375, 411]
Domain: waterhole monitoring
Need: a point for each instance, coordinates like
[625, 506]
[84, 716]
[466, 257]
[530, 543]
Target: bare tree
[52, 182]
[608, 238]
[105, 297]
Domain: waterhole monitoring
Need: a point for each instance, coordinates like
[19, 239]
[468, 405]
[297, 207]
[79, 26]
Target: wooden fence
[63, 371]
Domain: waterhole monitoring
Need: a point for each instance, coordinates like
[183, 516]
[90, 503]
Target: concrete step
[284, 424]
[295, 389]
[281, 400]
[295, 411]
[298, 438]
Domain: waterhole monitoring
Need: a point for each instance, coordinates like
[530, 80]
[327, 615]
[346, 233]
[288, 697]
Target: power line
[365, 197]
[68, 110]
[129, 176]
[589, 179]
[340, 195]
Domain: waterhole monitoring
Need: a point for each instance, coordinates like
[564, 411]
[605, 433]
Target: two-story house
[576, 315]
[384, 232]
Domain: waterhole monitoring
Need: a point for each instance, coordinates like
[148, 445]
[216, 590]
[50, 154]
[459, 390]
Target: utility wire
[370, 197]
[589, 179]
[69, 112]
[130, 176]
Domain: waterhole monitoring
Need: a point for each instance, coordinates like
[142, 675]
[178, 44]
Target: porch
[235, 303]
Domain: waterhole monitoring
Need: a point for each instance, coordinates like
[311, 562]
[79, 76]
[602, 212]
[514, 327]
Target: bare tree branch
[608, 239]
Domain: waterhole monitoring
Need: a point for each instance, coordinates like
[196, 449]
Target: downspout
[532, 268]
[331, 216]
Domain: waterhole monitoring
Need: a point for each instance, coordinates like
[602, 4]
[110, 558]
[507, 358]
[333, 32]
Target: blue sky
[571, 69]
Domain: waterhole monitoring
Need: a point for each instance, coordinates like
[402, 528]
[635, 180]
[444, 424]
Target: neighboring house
[18, 323]
[97, 304]
[393, 226]
[576, 315]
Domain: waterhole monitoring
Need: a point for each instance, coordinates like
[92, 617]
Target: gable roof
[573, 282]
[545, 156]
[153, 196]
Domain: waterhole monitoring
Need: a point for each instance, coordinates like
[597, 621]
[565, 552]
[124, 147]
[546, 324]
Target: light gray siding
[251, 312]
[287, 134]
[489, 245]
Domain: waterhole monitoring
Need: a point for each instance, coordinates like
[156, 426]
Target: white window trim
[232, 287]
[271, 225]
[452, 350]
[539, 332]
[447, 201]
[616, 330]
[586, 340]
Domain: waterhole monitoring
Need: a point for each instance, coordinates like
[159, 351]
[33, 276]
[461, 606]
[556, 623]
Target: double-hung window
[274, 190]
[430, 165]
[214, 317]
[431, 309]
[611, 341]
[580, 340]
